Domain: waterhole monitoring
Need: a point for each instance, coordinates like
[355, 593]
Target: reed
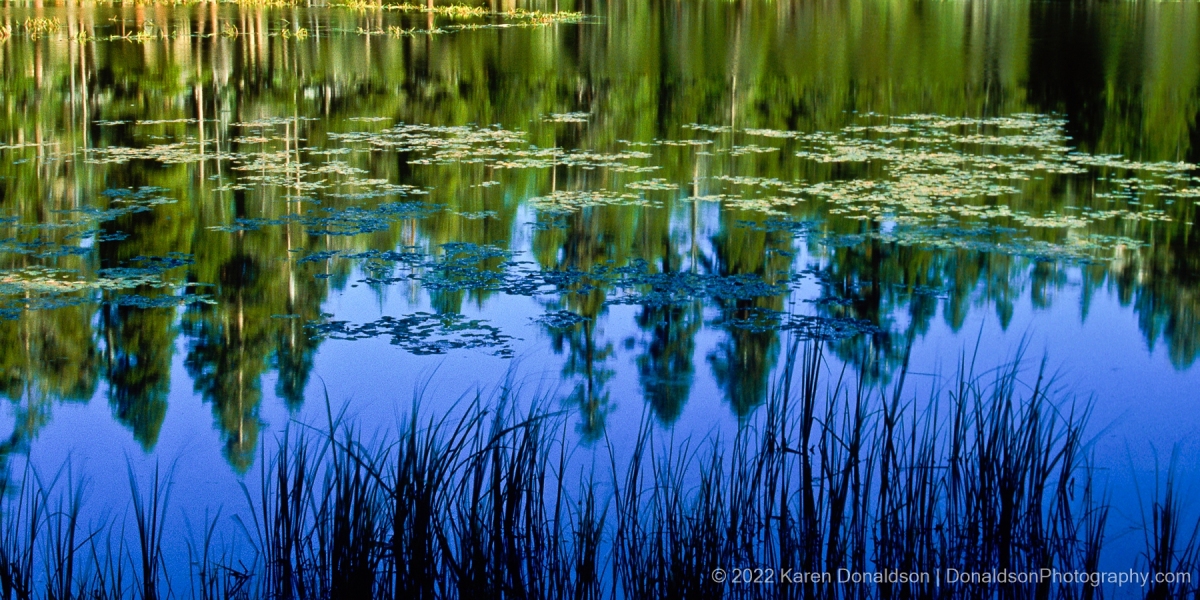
[62, 525]
[39, 26]
[22, 512]
[1170, 548]
[108, 579]
[499, 501]
[150, 514]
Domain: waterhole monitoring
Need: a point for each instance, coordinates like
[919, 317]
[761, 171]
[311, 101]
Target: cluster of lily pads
[422, 333]
[461, 266]
[34, 281]
[922, 180]
[141, 285]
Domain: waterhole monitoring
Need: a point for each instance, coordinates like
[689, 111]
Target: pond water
[213, 218]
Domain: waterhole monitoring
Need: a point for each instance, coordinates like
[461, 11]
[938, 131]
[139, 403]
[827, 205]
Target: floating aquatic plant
[560, 319]
[804, 327]
[422, 333]
[571, 117]
[564, 201]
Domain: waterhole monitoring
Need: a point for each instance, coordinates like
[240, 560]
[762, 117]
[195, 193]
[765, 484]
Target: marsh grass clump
[37, 27]
[267, 3]
[445, 10]
[300, 33]
[512, 17]
[1171, 547]
[537, 17]
[492, 497]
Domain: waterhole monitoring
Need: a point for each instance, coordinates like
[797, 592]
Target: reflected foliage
[210, 191]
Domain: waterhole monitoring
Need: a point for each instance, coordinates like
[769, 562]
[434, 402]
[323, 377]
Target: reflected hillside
[204, 179]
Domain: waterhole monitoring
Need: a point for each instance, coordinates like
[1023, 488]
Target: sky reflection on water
[638, 211]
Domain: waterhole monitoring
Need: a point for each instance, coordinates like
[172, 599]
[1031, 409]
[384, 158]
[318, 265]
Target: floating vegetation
[571, 117]
[158, 264]
[354, 220]
[38, 280]
[422, 333]
[462, 266]
[161, 301]
[924, 181]
[51, 280]
[47, 288]
[933, 169]
[662, 289]
[998, 239]
[168, 154]
[796, 228]
[497, 147]
[475, 267]
[751, 149]
[74, 233]
[804, 327]
[652, 184]
[41, 248]
[572, 201]
[546, 223]
[341, 222]
[447, 143]
[560, 319]
[843, 240]
[477, 215]
[709, 128]
[262, 122]
[616, 161]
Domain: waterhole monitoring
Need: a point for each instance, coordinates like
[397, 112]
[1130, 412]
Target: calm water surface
[210, 217]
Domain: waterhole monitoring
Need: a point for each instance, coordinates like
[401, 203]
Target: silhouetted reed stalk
[1167, 548]
[62, 525]
[150, 515]
[493, 502]
[22, 514]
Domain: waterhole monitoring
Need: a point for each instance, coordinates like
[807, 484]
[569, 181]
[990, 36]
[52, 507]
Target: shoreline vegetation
[989, 475]
[39, 27]
[457, 9]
